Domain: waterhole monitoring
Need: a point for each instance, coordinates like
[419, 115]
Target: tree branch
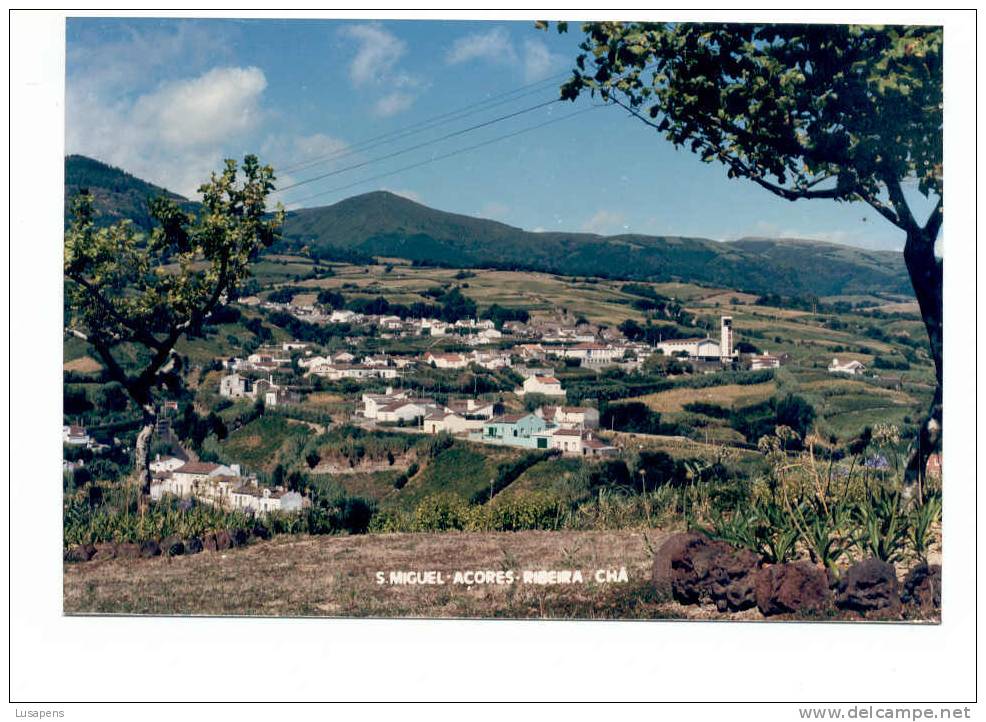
[140, 333]
[903, 210]
[880, 208]
[933, 226]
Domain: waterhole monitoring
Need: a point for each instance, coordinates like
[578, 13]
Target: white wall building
[547, 385]
[851, 368]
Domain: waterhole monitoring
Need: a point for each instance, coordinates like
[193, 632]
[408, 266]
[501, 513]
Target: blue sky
[167, 100]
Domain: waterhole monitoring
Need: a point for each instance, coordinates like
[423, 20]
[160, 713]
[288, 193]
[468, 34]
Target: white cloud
[393, 103]
[539, 62]
[377, 52]
[534, 61]
[492, 46]
[174, 135]
[375, 67]
[606, 222]
[199, 111]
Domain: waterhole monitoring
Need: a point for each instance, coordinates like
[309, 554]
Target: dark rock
[223, 540]
[209, 541]
[104, 551]
[238, 537]
[150, 548]
[674, 547]
[172, 546]
[193, 545]
[127, 550]
[922, 587]
[694, 569]
[80, 553]
[733, 579]
[869, 587]
[791, 588]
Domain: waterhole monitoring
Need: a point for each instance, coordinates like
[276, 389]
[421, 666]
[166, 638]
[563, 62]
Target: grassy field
[730, 396]
[336, 576]
[260, 444]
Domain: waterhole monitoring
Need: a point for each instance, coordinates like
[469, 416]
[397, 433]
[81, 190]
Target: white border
[56, 658]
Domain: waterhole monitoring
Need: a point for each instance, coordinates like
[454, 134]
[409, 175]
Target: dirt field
[336, 576]
[84, 364]
[729, 396]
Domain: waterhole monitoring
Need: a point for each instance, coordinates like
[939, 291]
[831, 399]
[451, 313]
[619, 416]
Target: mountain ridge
[380, 223]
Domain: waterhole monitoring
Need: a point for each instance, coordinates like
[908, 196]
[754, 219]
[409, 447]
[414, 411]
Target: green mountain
[384, 224]
[116, 194]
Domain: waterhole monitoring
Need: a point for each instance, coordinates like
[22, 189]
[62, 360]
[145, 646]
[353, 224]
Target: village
[379, 361]
[534, 415]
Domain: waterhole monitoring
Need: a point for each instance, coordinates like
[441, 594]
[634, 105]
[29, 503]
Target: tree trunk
[142, 455]
[925, 270]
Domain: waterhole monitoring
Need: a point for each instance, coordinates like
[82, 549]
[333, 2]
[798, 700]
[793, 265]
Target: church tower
[726, 339]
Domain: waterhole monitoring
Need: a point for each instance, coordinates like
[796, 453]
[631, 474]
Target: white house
[439, 421]
[593, 353]
[235, 386]
[336, 371]
[578, 442]
[75, 435]
[852, 368]
[263, 500]
[391, 323]
[167, 464]
[373, 402]
[764, 361]
[270, 357]
[570, 417]
[691, 347]
[446, 360]
[406, 410]
[472, 408]
[547, 385]
[342, 316]
[491, 359]
[205, 481]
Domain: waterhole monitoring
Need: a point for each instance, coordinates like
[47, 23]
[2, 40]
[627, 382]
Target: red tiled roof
[596, 444]
[197, 467]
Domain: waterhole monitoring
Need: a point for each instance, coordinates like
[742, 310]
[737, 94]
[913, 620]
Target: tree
[128, 291]
[840, 112]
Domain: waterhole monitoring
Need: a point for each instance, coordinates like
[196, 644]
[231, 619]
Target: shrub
[441, 512]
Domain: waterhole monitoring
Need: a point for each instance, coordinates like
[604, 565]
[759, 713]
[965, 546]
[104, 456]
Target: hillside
[117, 194]
[385, 224]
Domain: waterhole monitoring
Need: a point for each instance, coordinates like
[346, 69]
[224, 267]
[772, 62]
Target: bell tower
[726, 339]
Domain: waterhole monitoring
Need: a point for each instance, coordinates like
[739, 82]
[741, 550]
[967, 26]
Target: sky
[169, 99]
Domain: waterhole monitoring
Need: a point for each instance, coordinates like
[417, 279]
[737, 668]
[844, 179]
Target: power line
[363, 147]
[446, 155]
[418, 146]
[420, 126]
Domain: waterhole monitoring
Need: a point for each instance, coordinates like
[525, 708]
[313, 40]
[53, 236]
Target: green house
[527, 431]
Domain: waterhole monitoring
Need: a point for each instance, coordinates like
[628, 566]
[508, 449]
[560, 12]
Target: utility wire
[409, 149]
[362, 148]
[446, 155]
[420, 126]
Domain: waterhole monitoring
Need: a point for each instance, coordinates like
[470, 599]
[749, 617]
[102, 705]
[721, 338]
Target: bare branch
[933, 226]
[903, 210]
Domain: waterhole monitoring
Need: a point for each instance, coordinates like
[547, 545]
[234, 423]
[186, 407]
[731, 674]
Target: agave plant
[883, 525]
[825, 529]
[922, 517]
